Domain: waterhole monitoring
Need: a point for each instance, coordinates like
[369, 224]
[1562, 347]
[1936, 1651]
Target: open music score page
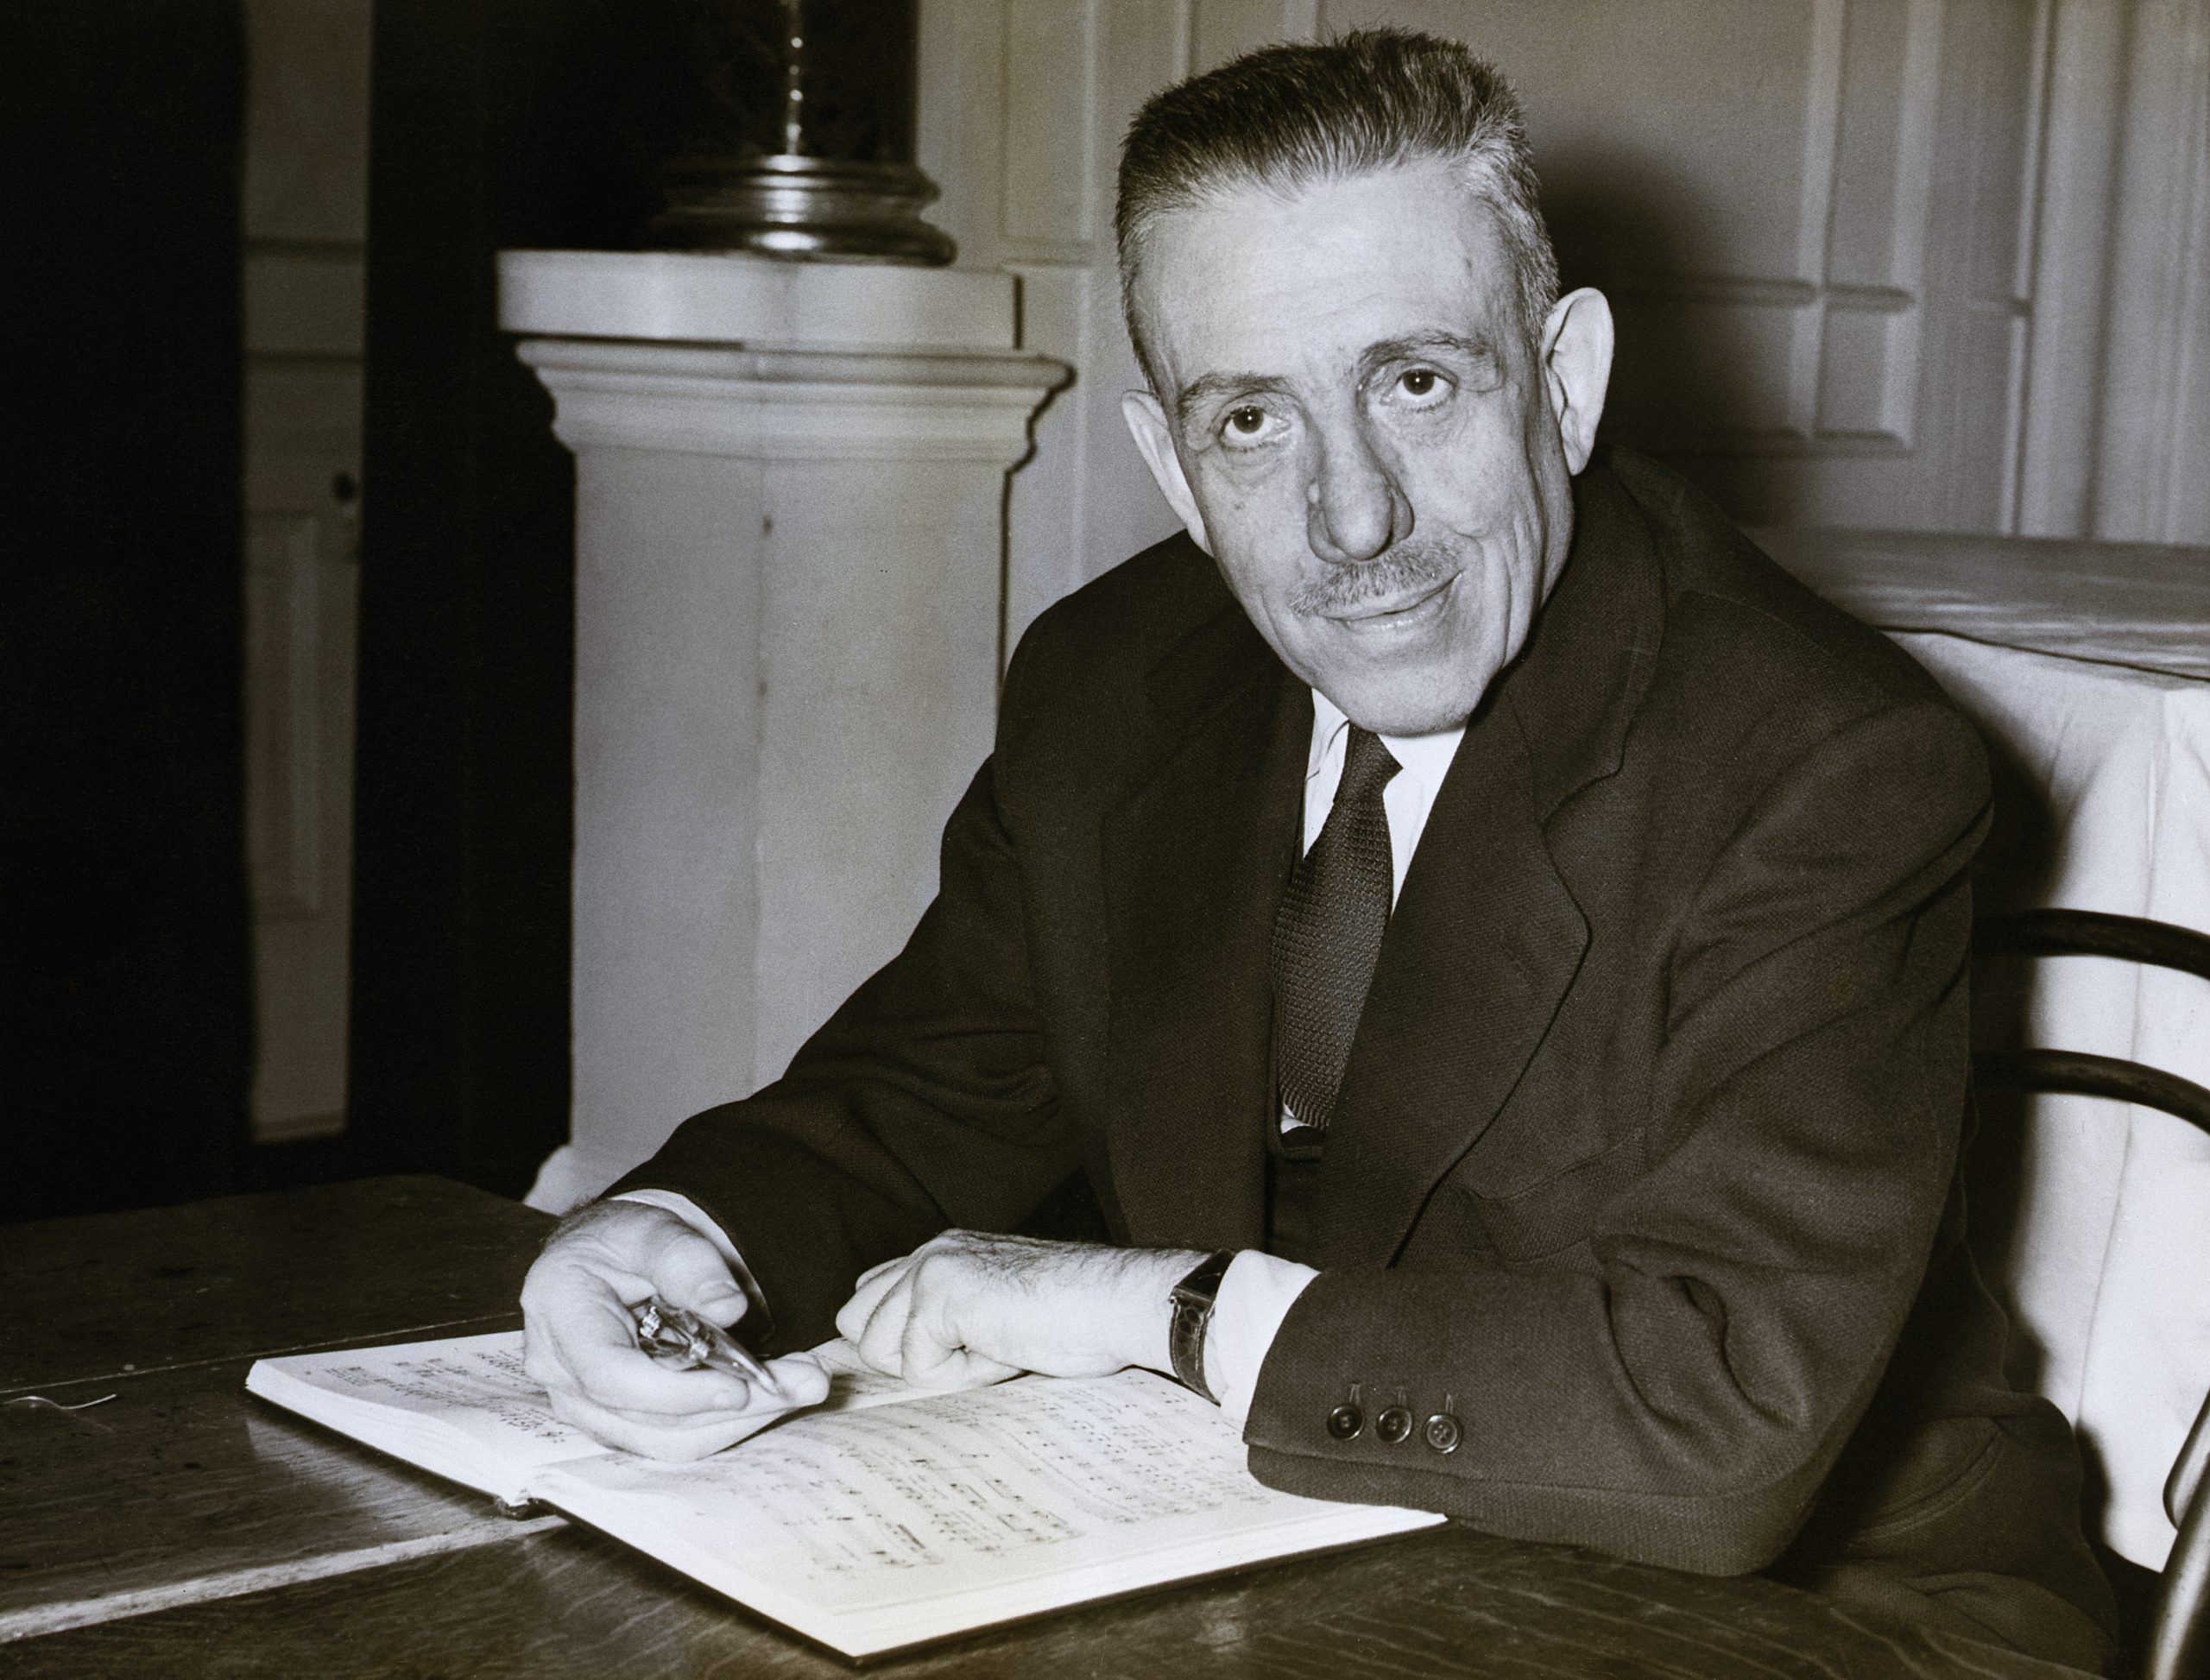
[889, 1517]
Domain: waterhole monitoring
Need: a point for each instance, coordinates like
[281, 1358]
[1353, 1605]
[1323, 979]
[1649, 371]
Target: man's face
[1352, 421]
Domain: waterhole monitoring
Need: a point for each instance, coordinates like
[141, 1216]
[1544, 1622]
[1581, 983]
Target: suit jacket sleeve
[1676, 1386]
[925, 1102]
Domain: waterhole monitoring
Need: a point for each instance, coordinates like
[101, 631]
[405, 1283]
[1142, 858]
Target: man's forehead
[1333, 266]
[1231, 208]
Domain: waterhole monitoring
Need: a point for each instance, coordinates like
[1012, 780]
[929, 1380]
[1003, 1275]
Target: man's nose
[1353, 507]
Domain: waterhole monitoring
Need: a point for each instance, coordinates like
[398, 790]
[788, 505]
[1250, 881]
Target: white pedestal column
[790, 558]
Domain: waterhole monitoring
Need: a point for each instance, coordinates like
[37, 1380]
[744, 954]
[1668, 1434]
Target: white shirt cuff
[1255, 1297]
[690, 1214]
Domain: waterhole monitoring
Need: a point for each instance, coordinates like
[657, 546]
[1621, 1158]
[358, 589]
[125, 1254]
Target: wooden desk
[183, 1529]
[180, 1488]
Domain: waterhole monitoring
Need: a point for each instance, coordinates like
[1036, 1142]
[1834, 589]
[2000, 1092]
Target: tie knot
[1367, 766]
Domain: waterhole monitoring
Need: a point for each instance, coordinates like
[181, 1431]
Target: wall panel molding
[283, 714]
[2117, 378]
[2082, 89]
[2150, 454]
[1870, 370]
[1822, 155]
[1047, 199]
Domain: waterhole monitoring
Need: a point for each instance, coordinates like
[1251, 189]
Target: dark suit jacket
[1648, 1136]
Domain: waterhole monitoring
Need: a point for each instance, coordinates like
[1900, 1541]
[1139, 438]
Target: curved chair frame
[2179, 1639]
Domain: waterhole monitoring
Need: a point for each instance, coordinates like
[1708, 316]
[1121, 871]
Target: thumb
[689, 1271]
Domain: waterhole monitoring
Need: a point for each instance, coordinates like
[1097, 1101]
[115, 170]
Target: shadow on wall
[1692, 370]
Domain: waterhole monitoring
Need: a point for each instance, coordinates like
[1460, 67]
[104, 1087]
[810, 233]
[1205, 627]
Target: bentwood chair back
[2176, 1645]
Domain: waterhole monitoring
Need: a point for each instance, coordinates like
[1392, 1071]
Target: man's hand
[968, 1308]
[580, 1341]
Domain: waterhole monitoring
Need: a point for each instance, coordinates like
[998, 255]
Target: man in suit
[1485, 946]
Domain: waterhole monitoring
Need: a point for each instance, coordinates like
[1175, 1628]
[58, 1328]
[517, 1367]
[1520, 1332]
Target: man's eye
[1246, 423]
[1419, 382]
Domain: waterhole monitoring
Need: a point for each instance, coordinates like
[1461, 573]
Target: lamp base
[802, 208]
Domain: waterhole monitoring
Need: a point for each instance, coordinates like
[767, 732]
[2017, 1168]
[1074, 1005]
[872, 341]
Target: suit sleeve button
[1394, 1424]
[1444, 1433]
[1345, 1422]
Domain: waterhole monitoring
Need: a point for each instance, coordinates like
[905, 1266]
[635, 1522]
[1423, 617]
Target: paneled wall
[1814, 318]
[1918, 264]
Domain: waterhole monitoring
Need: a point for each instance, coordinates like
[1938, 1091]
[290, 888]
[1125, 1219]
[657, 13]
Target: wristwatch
[1186, 1334]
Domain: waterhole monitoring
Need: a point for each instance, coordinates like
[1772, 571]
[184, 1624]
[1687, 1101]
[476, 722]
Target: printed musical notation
[968, 1478]
[478, 1389]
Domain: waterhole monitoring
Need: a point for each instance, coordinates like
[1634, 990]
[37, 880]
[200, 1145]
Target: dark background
[125, 1009]
[125, 984]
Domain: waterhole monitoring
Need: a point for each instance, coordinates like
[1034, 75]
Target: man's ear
[1155, 442]
[1577, 350]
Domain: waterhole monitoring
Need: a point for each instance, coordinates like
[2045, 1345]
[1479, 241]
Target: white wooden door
[306, 215]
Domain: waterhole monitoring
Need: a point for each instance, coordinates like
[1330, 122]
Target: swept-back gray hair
[1286, 117]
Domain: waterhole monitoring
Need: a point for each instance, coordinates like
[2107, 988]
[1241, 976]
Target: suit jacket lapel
[1486, 937]
[1196, 859]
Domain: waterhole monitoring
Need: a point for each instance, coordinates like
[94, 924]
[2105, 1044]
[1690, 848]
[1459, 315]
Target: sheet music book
[888, 1516]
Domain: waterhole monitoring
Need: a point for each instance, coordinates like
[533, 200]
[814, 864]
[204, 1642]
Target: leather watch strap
[1186, 1334]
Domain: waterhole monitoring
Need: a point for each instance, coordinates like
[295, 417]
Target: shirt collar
[1425, 757]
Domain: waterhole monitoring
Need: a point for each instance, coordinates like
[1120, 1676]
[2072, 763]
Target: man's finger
[933, 1351]
[681, 1439]
[926, 1340]
[598, 1350]
[883, 1330]
[801, 1382]
[634, 1381]
[878, 1269]
[875, 1283]
[690, 1270]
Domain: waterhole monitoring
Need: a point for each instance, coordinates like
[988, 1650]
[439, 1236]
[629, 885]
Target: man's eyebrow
[1206, 387]
[1379, 354]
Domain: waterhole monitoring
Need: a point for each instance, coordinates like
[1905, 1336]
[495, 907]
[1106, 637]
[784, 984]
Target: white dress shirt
[1259, 1288]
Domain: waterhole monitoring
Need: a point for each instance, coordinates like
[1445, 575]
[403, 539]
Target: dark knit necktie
[1328, 935]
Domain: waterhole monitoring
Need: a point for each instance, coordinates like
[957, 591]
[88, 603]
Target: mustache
[1410, 569]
